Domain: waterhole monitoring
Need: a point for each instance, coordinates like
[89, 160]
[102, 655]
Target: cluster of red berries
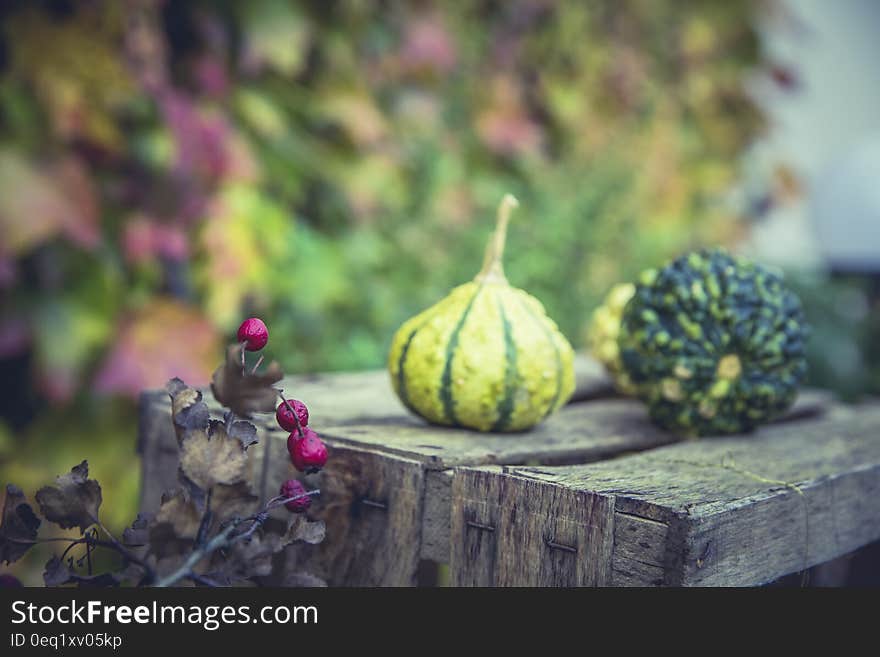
[308, 453]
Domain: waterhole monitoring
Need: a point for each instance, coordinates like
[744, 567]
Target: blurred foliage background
[167, 168]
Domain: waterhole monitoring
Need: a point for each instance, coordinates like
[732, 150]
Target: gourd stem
[493, 269]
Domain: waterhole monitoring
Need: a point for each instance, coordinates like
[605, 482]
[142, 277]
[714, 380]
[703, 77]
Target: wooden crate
[731, 511]
[387, 492]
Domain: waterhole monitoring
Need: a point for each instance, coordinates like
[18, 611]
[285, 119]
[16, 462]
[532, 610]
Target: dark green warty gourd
[714, 344]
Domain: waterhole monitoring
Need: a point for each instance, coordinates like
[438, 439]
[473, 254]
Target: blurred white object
[845, 209]
[826, 130]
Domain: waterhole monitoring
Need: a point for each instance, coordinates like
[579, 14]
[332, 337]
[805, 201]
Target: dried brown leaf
[57, 572]
[253, 557]
[188, 411]
[305, 530]
[207, 460]
[175, 526]
[245, 432]
[235, 501]
[138, 533]
[19, 525]
[99, 581]
[241, 391]
[73, 501]
[179, 511]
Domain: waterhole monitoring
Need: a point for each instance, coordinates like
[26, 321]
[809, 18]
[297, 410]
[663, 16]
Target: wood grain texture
[373, 507]
[501, 541]
[578, 433]
[437, 516]
[157, 446]
[740, 510]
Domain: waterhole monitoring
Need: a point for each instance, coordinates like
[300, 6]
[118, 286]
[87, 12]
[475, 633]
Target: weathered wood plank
[580, 432]
[157, 446]
[437, 515]
[639, 546]
[373, 507]
[739, 510]
[501, 542]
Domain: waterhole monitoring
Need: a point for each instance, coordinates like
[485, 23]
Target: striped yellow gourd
[486, 357]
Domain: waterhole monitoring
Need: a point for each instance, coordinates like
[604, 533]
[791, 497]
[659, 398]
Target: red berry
[254, 333]
[285, 416]
[309, 453]
[292, 488]
[293, 438]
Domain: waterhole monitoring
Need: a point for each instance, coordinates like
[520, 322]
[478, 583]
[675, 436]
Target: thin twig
[125, 552]
[110, 545]
[220, 540]
[281, 502]
[256, 524]
[206, 520]
[89, 550]
[71, 546]
[225, 539]
[277, 501]
[51, 539]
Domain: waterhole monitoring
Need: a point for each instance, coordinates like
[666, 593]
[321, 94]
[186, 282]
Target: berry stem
[278, 501]
[493, 269]
[290, 408]
[243, 364]
[257, 365]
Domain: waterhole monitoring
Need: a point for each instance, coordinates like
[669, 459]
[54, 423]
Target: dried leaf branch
[211, 530]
